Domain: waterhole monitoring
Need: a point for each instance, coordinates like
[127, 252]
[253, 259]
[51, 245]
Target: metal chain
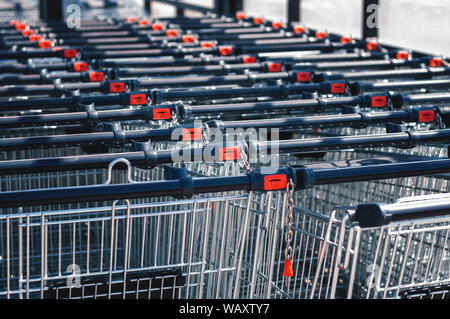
[347, 90]
[440, 121]
[244, 162]
[175, 119]
[289, 220]
[389, 104]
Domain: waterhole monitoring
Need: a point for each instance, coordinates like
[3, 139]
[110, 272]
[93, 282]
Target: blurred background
[416, 24]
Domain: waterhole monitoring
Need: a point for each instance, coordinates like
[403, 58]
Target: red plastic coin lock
[435, 62]
[337, 88]
[206, 44]
[96, 76]
[426, 116]
[275, 182]
[248, 59]
[116, 87]
[378, 101]
[80, 66]
[45, 44]
[138, 99]
[371, 45]
[345, 40]
[298, 29]
[191, 134]
[321, 35]
[162, 113]
[258, 20]
[157, 26]
[188, 38]
[70, 53]
[277, 25]
[225, 50]
[274, 67]
[171, 33]
[240, 15]
[229, 153]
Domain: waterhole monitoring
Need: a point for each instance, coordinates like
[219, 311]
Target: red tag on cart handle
[116, 87]
[96, 76]
[240, 15]
[138, 99]
[191, 134]
[157, 26]
[248, 59]
[303, 76]
[378, 101]
[298, 29]
[426, 116]
[162, 113]
[337, 88]
[274, 67]
[70, 53]
[226, 50]
[80, 66]
[229, 153]
[275, 182]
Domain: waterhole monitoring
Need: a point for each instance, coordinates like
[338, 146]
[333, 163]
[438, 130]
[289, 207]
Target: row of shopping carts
[220, 157]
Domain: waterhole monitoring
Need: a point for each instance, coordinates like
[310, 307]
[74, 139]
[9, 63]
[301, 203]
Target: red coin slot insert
[171, 33]
[378, 101]
[275, 182]
[96, 76]
[143, 22]
[321, 34]
[34, 38]
[240, 15]
[27, 33]
[21, 26]
[277, 25]
[71, 53]
[45, 44]
[191, 134]
[426, 116]
[299, 29]
[274, 67]
[138, 99]
[303, 76]
[249, 59]
[116, 87]
[227, 50]
[435, 62]
[402, 55]
[188, 38]
[337, 88]
[229, 153]
[207, 44]
[372, 45]
[258, 20]
[162, 113]
[345, 40]
[157, 26]
[80, 66]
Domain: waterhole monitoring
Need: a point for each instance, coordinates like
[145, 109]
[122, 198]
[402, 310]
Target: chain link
[440, 121]
[347, 90]
[288, 236]
[389, 104]
[175, 119]
[244, 162]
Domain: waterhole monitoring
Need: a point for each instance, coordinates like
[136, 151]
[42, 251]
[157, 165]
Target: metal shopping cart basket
[386, 251]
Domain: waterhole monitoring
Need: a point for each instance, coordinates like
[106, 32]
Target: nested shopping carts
[219, 157]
